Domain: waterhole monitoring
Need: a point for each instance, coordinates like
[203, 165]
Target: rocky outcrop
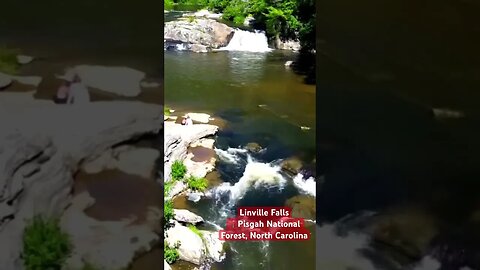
[290, 45]
[122, 81]
[203, 118]
[128, 159]
[177, 139]
[105, 244]
[42, 144]
[6, 80]
[205, 32]
[292, 165]
[193, 247]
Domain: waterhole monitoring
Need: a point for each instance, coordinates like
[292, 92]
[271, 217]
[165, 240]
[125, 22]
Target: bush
[197, 183]
[178, 170]
[166, 111]
[45, 246]
[8, 60]
[168, 4]
[170, 254]
[194, 229]
[168, 211]
[168, 186]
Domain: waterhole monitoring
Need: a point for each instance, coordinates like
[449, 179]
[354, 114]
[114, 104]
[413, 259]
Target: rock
[145, 84]
[199, 169]
[198, 48]
[5, 80]
[123, 81]
[253, 147]
[138, 161]
[194, 196]
[249, 20]
[105, 244]
[42, 145]
[203, 118]
[191, 247]
[207, 32]
[207, 14]
[290, 45]
[213, 245]
[166, 266]
[185, 216]
[303, 206]
[447, 114]
[176, 189]
[177, 139]
[289, 63]
[292, 165]
[28, 80]
[24, 59]
[103, 162]
[205, 142]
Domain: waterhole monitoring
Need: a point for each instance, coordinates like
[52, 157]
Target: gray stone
[185, 216]
[190, 245]
[24, 59]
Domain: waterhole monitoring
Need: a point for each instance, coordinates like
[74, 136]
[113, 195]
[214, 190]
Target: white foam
[247, 41]
[306, 186]
[230, 155]
[428, 263]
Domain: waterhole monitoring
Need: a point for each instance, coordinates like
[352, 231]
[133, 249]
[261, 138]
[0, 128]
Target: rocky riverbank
[195, 246]
[42, 146]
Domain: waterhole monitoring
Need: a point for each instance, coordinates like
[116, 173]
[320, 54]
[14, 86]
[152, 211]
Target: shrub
[194, 229]
[168, 4]
[168, 186]
[168, 211]
[166, 111]
[197, 183]
[170, 254]
[45, 246]
[8, 60]
[178, 170]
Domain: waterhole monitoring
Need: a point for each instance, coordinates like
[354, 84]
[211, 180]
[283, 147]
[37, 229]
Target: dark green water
[382, 67]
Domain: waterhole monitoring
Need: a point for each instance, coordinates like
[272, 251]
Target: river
[254, 98]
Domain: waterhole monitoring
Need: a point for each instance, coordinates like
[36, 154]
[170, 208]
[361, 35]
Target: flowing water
[247, 86]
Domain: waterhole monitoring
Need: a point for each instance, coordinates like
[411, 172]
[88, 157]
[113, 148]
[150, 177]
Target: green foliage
[287, 19]
[178, 170]
[191, 19]
[197, 183]
[168, 211]
[166, 111]
[8, 60]
[45, 246]
[168, 4]
[170, 254]
[194, 229]
[168, 186]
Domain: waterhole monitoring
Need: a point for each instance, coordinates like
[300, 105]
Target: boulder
[198, 48]
[122, 81]
[190, 245]
[138, 161]
[292, 165]
[185, 216]
[5, 80]
[213, 245]
[206, 32]
[253, 147]
[290, 45]
[24, 59]
[203, 118]
[303, 206]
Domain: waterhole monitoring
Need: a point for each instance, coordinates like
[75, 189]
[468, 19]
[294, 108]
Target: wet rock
[213, 245]
[42, 144]
[206, 32]
[191, 247]
[123, 81]
[194, 196]
[249, 20]
[198, 48]
[24, 59]
[253, 147]
[290, 45]
[292, 165]
[177, 188]
[408, 231]
[303, 206]
[185, 216]
[105, 244]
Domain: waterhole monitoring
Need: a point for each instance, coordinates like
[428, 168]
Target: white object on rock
[199, 117]
[24, 59]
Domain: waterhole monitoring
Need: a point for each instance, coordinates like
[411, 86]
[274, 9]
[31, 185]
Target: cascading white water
[247, 41]
[307, 186]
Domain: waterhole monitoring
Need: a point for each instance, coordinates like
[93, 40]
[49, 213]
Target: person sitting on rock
[78, 92]
[62, 93]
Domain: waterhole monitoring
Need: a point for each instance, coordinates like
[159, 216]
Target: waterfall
[248, 42]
